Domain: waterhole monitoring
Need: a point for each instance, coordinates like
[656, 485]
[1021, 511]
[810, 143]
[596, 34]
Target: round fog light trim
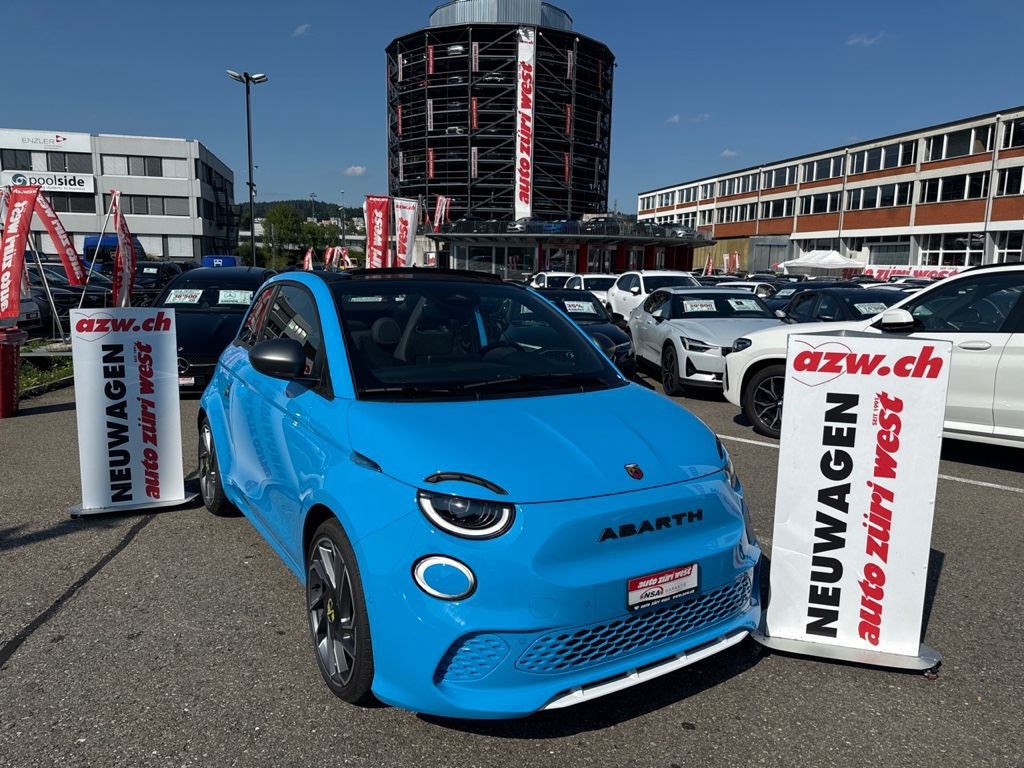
[444, 577]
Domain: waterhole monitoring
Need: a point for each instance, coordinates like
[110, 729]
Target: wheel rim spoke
[767, 402]
[329, 594]
[206, 471]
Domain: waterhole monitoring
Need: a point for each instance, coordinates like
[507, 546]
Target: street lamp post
[248, 80]
[343, 242]
[312, 205]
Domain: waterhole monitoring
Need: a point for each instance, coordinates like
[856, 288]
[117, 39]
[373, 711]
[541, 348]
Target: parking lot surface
[180, 639]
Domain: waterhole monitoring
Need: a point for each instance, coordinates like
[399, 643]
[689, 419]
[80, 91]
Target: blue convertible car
[489, 520]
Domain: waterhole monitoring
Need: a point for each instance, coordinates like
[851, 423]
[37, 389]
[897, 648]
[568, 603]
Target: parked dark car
[604, 225]
[209, 304]
[826, 305]
[586, 310]
[150, 279]
[783, 296]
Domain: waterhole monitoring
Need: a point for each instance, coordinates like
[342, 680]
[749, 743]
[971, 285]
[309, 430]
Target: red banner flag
[307, 260]
[377, 230]
[346, 262]
[73, 266]
[21, 204]
[709, 267]
[5, 198]
[124, 256]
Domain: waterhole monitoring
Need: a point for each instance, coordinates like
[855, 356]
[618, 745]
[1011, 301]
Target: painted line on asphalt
[953, 478]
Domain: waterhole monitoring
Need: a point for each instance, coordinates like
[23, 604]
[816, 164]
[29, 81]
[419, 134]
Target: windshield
[862, 307]
[706, 305]
[652, 284]
[464, 340]
[184, 296]
[582, 308]
[598, 283]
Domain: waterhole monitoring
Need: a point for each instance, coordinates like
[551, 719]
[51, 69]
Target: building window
[69, 162]
[825, 168]
[71, 202]
[151, 205]
[779, 177]
[1013, 134]
[964, 186]
[879, 158]
[826, 202]
[16, 159]
[883, 196]
[968, 141]
[1010, 181]
[688, 219]
[1009, 246]
[119, 165]
[953, 249]
[887, 249]
[776, 209]
[707, 191]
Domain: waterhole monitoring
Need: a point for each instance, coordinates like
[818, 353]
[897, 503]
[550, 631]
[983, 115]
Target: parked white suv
[597, 284]
[980, 310]
[632, 288]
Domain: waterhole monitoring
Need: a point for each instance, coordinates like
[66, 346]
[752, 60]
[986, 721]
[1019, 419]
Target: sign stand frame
[77, 510]
[927, 658]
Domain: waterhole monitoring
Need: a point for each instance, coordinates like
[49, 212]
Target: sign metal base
[927, 658]
[78, 511]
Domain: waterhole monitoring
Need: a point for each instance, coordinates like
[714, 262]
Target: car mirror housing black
[606, 344]
[279, 358]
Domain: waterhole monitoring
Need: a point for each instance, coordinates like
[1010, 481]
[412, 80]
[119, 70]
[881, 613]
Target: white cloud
[864, 40]
[355, 170]
[729, 153]
[701, 117]
[673, 120]
[301, 30]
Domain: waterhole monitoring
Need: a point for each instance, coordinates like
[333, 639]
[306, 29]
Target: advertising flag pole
[46, 286]
[92, 262]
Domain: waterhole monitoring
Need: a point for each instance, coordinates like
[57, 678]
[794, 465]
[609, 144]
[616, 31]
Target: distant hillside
[324, 210]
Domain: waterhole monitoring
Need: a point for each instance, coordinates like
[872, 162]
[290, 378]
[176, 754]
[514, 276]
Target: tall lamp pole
[312, 205]
[248, 80]
[343, 243]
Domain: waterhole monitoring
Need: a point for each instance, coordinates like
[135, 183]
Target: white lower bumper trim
[637, 676]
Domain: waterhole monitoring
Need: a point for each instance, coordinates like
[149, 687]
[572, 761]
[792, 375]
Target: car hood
[722, 331]
[775, 338]
[539, 449]
[612, 331]
[205, 334]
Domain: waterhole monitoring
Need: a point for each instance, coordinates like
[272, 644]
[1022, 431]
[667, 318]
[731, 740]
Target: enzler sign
[50, 181]
[45, 141]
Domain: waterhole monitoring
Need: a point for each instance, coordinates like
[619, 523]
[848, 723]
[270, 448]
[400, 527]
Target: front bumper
[548, 625]
[702, 369]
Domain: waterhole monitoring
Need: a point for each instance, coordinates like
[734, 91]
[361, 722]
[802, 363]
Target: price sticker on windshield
[871, 308]
[744, 305]
[698, 305]
[580, 307]
[184, 295]
[234, 296]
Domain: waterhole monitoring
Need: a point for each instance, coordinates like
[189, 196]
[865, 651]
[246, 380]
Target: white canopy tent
[820, 261]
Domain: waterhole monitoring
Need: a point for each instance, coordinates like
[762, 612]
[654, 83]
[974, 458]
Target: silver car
[687, 332]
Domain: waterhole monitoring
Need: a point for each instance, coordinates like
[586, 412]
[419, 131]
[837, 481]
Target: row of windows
[1013, 134]
[825, 168]
[963, 186]
[137, 165]
[882, 196]
[743, 212]
[968, 141]
[738, 185]
[824, 202]
[1009, 180]
[151, 205]
[880, 158]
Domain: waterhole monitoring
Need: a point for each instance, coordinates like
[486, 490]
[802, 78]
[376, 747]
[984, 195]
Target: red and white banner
[430, 59]
[474, 57]
[124, 256]
[21, 205]
[73, 266]
[565, 167]
[398, 119]
[346, 262]
[430, 114]
[375, 213]
[329, 256]
[407, 214]
[569, 68]
[430, 162]
[129, 425]
[401, 166]
[858, 466]
[568, 119]
[474, 162]
[709, 267]
[734, 262]
[307, 260]
[473, 114]
[524, 121]
[441, 211]
[883, 272]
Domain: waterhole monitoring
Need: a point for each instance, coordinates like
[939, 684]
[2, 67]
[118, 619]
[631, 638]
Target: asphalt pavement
[179, 639]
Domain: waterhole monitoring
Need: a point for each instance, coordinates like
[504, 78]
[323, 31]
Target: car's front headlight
[740, 344]
[692, 345]
[467, 518]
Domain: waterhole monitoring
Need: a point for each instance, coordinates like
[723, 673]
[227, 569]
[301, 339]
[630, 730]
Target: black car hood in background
[202, 336]
[612, 331]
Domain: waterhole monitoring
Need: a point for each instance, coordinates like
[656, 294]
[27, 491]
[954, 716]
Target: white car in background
[597, 284]
[688, 331]
[759, 289]
[979, 310]
[550, 279]
[630, 290]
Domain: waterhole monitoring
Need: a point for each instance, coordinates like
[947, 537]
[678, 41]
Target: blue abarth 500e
[489, 520]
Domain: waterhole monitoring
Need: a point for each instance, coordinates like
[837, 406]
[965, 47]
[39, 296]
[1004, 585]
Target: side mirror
[781, 314]
[279, 358]
[606, 344]
[896, 320]
[635, 290]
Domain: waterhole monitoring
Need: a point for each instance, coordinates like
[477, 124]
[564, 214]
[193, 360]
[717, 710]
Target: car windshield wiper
[410, 390]
[550, 380]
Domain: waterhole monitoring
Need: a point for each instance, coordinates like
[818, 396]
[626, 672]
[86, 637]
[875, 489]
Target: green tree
[281, 226]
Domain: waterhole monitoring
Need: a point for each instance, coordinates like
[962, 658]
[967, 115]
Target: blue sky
[700, 88]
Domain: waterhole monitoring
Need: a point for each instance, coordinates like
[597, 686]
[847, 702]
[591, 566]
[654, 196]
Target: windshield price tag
[660, 587]
[698, 305]
[184, 295]
[744, 305]
[580, 307]
[234, 296]
[871, 308]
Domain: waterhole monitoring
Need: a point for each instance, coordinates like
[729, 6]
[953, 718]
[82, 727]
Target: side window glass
[249, 333]
[802, 306]
[828, 309]
[574, 282]
[631, 282]
[292, 315]
[981, 305]
[541, 281]
[651, 302]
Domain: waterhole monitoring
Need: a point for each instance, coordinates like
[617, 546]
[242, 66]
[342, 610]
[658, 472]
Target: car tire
[762, 400]
[670, 371]
[338, 624]
[210, 485]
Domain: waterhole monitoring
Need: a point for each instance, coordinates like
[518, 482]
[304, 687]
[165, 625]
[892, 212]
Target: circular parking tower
[501, 106]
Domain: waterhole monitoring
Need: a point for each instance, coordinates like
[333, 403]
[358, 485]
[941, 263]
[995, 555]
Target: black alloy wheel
[762, 400]
[670, 371]
[209, 475]
[338, 624]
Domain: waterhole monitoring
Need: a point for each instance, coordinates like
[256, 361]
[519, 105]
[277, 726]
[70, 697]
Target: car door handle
[980, 345]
